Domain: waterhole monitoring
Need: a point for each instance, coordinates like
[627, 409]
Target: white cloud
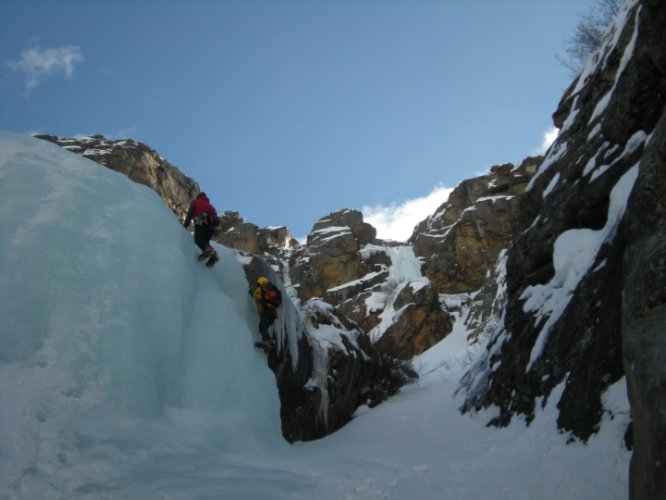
[36, 64]
[396, 222]
[549, 137]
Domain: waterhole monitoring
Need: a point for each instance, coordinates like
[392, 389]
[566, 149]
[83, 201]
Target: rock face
[644, 320]
[321, 386]
[138, 162]
[331, 256]
[421, 324]
[235, 233]
[644, 299]
[584, 277]
[462, 240]
[451, 252]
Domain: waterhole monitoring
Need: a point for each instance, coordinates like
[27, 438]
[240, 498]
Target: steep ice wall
[119, 353]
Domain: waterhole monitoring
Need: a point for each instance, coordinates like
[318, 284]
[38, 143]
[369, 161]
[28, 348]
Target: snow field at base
[127, 371]
[417, 445]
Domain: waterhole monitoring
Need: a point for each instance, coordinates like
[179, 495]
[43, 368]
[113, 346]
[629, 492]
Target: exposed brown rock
[421, 324]
[462, 240]
[331, 256]
[235, 233]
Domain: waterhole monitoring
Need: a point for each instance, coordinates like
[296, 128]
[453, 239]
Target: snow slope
[127, 371]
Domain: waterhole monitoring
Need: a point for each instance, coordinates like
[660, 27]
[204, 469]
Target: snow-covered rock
[584, 277]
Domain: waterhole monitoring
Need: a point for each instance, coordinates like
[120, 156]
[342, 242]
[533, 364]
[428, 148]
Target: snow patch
[551, 185]
[554, 154]
[493, 199]
[626, 57]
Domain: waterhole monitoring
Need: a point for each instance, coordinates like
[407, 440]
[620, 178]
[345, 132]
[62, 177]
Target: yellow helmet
[263, 281]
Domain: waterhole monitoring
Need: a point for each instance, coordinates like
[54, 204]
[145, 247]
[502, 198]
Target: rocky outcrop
[462, 240]
[344, 264]
[421, 323]
[235, 233]
[138, 162]
[332, 254]
[584, 277]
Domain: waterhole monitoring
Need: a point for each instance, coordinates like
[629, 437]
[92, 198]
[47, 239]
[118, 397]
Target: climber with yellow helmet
[268, 298]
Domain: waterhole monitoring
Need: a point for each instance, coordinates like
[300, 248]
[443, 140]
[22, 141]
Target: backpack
[207, 220]
[273, 295]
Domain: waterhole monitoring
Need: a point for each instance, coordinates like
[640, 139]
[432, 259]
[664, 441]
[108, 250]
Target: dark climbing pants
[202, 236]
[265, 321]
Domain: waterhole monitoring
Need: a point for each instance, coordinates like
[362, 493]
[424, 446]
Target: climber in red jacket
[205, 220]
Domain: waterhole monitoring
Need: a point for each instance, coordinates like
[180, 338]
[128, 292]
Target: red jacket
[200, 206]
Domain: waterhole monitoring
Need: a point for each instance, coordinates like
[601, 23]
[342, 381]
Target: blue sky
[288, 110]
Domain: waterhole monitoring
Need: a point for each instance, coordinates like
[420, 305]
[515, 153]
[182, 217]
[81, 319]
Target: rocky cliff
[325, 366]
[460, 242]
[585, 297]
